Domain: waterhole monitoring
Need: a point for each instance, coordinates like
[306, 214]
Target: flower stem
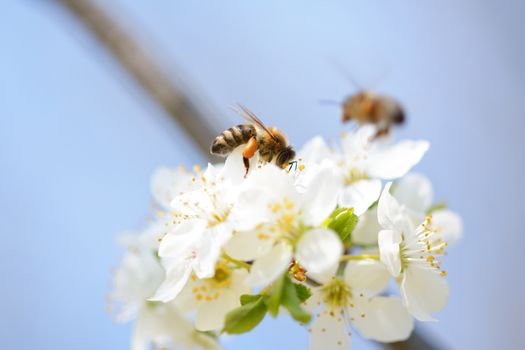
[236, 262]
[359, 257]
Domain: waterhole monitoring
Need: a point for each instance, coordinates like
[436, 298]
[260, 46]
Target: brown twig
[150, 75]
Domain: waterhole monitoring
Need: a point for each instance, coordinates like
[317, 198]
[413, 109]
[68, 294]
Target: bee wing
[250, 116]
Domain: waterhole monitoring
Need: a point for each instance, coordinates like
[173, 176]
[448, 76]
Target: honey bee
[367, 107]
[269, 141]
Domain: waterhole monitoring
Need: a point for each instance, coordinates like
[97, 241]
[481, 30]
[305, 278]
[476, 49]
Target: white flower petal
[388, 242]
[324, 276]
[210, 314]
[319, 250]
[367, 228]
[328, 332]
[210, 248]
[315, 301]
[385, 320]
[164, 327]
[136, 279]
[246, 246]
[360, 195]
[449, 224]
[391, 215]
[395, 161]
[262, 188]
[424, 292]
[193, 203]
[177, 273]
[367, 276]
[167, 183]
[270, 266]
[250, 209]
[414, 191]
[177, 242]
[356, 144]
[320, 197]
[314, 151]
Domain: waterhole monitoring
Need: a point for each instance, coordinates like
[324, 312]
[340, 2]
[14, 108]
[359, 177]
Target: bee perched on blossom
[366, 107]
[269, 141]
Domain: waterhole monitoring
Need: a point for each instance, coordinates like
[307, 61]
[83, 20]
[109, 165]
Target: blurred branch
[146, 71]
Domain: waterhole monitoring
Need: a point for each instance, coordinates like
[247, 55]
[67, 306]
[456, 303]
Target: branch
[146, 71]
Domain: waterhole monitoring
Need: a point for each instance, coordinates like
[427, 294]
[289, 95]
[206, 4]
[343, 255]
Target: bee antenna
[346, 74]
[291, 164]
[236, 108]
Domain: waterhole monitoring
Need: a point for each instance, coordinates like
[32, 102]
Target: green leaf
[273, 299]
[245, 317]
[248, 298]
[292, 302]
[302, 291]
[343, 222]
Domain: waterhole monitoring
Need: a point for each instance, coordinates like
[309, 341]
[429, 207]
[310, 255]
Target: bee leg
[248, 152]
[246, 162]
[291, 164]
[380, 133]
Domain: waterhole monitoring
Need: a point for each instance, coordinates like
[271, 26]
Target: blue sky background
[78, 142]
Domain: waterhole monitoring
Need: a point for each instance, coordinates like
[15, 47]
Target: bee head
[353, 104]
[399, 116]
[285, 156]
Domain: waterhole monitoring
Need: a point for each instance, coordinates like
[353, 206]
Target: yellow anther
[263, 236]
[288, 203]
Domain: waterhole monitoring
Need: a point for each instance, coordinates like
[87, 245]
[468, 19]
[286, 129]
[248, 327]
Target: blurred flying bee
[269, 141]
[366, 107]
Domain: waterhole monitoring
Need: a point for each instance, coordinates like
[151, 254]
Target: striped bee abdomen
[235, 136]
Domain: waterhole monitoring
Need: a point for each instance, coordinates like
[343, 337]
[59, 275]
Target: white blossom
[212, 298]
[163, 326]
[221, 234]
[364, 162]
[134, 281]
[166, 184]
[415, 192]
[411, 255]
[279, 222]
[351, 300]
[202, 224]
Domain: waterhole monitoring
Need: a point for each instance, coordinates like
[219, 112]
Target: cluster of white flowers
[321, 241]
